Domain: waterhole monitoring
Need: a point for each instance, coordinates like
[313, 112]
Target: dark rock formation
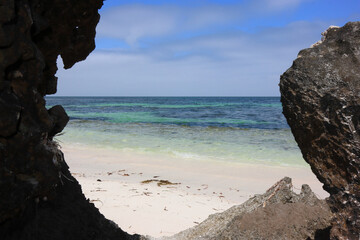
[39, 197]
[321, 101]
[59, 118]
[278, 214]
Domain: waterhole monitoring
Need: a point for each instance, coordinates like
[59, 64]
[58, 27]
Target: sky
[199, 47]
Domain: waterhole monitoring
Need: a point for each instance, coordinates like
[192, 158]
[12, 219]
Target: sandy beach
[157, 196]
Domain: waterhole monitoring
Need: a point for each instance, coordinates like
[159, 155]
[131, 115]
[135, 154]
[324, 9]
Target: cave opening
[157, 165]
[156, 137]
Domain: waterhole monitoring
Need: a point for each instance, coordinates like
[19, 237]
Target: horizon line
[150, 96]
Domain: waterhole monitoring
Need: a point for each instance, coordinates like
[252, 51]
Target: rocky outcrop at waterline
[277, 214]
[39, 198]
[321, 102]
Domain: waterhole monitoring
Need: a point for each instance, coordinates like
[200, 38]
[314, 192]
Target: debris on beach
[159, 182]
[78, 174]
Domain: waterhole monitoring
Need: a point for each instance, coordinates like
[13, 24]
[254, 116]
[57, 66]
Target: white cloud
[199, 50]
[134, 22]
[233, 64]
[282, 4]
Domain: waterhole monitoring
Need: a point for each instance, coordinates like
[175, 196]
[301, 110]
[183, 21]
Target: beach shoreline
[127, 187]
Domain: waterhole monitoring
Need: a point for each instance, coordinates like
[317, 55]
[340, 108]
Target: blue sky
[199, 47]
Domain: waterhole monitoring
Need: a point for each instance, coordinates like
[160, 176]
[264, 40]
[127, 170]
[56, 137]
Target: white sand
[148, 209]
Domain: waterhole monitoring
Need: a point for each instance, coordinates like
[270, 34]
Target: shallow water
[236, 129]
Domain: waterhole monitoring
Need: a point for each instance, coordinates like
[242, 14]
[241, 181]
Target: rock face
[39, 198]
[321, 102]
[278, 214]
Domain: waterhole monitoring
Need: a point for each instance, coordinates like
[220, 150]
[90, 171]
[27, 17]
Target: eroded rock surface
[321, 102]
[39, 198]
[277, 214]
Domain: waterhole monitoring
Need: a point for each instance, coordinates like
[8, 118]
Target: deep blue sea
[228, 129]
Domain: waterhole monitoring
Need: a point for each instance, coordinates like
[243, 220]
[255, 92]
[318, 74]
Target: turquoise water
[246, 130]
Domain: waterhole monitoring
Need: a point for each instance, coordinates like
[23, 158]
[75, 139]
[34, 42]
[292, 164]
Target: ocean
[226, 129]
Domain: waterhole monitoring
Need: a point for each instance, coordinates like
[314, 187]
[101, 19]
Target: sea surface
[226, 129]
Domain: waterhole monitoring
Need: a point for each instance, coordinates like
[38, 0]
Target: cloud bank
[233, 49]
